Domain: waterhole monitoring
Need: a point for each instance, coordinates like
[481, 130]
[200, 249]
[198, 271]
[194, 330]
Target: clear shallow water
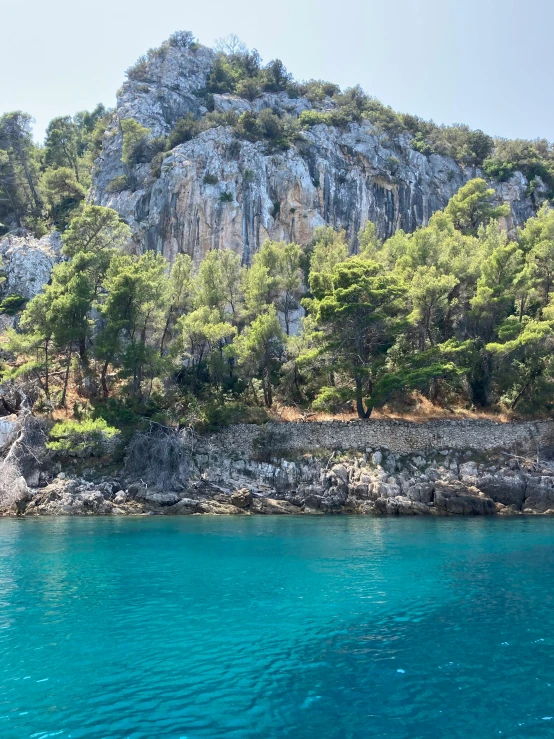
[276, 627]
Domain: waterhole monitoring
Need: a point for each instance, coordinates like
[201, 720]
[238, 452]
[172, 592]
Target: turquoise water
[276, 627]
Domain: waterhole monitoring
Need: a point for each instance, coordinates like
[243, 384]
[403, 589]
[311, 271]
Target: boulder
[506, 487]
[159, 499]
[539, 494]
[401, 506]
[422, 492]
[28, 262]
[270, 506]
[184, 507]
[340, 471]
[242, 498]
[459, 500]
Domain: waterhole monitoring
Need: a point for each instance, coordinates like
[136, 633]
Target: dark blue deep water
[276, 627]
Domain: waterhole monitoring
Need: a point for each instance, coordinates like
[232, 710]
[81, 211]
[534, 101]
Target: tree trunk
[24, 164]
[362, 412]
[83, 351]
[66, 380]
[164, 335]
[103, 377]
[268, 392]
[46, 373]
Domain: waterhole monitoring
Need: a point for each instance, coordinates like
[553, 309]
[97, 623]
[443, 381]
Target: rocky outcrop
[376, 483]
[259, 475]
[219, 191]
[27, 262]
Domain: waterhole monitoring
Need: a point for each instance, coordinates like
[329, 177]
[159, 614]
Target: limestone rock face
[28, 262]
[8, 430]
[219, 191]
[506, 488]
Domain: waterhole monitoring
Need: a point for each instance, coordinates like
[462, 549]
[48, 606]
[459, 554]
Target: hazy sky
[487, 63]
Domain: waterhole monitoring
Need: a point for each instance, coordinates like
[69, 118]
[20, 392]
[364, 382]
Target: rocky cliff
[220, 191]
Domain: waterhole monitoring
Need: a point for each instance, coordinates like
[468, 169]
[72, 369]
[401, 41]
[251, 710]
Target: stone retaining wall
[402, 437]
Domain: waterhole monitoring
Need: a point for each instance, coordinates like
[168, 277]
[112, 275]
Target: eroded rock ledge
[489, 469]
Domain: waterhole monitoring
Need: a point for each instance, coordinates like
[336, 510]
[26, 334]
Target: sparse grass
[420, 410]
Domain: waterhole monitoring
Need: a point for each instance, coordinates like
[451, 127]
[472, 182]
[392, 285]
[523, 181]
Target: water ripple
[247, 628]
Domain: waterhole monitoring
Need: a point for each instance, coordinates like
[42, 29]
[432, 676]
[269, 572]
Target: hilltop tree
[62, 144]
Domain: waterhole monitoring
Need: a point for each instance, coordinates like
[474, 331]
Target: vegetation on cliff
[455, 311]
[43, 186]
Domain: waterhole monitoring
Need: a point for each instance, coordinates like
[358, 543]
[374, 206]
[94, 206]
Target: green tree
[62, 144]
[289, 281]
[19, 166]
[203, 333]
[95, 230]
[327, 249]
[260, 350]
[180, 295]
[524, 366]
[494, 299]
[429, 293]
[134, 314]
[359, 316]
[33, 342]
[62, 193]
[472, 206]
[537, 241]
[369, 245]
[218, 283]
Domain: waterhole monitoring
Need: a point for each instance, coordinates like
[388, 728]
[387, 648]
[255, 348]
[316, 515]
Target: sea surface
[303, 627]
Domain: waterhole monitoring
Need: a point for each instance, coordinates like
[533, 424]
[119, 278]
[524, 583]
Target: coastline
[325, 468]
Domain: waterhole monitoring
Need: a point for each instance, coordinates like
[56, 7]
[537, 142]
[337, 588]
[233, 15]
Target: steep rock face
[328, 176]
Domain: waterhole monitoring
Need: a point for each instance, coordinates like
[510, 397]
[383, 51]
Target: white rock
[28, 262]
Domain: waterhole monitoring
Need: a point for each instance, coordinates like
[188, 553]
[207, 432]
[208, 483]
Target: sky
[487, 63]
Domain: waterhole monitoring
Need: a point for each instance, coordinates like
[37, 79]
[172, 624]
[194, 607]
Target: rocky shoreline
[264, 470]
[376, 484]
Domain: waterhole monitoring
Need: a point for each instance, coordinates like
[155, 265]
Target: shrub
[184, 130]
[89, 438]
[182, 40]
[156, 164]
[214, 414]
[226, 197]
[139, 71]
[276, 132]
[309, 118]
[317, 90]
[12, 304]
[135, 142]
[248, 88]
[118, 184]
[210, 179]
